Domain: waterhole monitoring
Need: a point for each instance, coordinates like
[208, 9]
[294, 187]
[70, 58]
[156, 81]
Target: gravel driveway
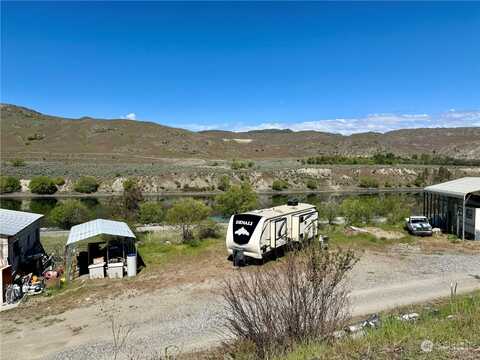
[187, 316]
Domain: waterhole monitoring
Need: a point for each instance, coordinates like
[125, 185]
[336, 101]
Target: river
[44, 205]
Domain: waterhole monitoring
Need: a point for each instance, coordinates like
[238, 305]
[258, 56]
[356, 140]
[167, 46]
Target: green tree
[357, 211]
[9, 184]
[187, 214]
[151, 213]
[237, 199]
[69, 213]
[224, 183]
[328, 210]
[86, 185]
[42, 185]
[131, 198]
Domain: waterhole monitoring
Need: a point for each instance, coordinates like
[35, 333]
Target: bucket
[131, 265]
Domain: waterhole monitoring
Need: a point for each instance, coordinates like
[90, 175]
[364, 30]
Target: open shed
[95, 233]
[454, 207]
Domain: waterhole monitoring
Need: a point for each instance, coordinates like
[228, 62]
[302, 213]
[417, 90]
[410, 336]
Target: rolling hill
[31, 135]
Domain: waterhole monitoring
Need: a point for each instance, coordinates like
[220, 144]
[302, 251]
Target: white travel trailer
[256, 233]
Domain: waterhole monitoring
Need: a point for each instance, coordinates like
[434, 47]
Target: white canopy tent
[91, 229]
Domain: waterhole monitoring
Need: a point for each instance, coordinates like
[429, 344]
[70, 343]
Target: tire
[238, 259]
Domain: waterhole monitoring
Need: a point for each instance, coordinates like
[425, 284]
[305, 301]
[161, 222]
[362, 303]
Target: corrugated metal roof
[98, 227]
[281, 210]
[12, 222]
[456, 188]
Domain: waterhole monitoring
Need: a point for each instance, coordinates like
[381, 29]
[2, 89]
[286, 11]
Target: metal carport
[442, 202]
[92, 229]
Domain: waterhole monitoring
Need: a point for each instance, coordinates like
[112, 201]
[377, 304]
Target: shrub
[9, 184]
[151, 213]
[42, 185]
[208, 229]
[17, 162]
[368, 182]
[86, 185]
[238, 165]
[186, 214]
[224, 183]
[307, 291]
[59, 181]
[279, 185]
[237, 199]
[69, 213]
[132, 195]
[311, 184]
[357, 211]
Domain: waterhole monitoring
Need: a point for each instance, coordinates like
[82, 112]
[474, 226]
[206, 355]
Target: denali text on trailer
[256, 233]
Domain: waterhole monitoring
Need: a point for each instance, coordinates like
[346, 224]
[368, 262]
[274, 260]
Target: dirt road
[188, 316]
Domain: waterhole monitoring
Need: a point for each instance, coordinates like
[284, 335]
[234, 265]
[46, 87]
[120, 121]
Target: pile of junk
[32, 278]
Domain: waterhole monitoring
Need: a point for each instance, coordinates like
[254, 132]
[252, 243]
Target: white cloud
[130, 116]
[374, 122]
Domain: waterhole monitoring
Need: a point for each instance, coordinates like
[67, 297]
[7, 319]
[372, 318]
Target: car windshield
[420, 220]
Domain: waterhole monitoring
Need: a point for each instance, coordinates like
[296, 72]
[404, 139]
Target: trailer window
[280, 229]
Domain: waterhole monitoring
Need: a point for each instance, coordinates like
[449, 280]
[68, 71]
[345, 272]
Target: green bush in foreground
[69, 213]
[86, 185]
[9, 184]
[42, 185]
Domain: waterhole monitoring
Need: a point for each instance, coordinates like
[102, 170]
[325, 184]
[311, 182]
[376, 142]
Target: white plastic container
[131, 265]
[115, 270]
[97, 271]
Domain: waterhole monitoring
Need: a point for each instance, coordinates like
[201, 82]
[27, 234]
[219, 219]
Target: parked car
[418, 225]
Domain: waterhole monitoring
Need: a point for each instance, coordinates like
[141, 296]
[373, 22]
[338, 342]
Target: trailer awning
[98, 227]
[459, 188]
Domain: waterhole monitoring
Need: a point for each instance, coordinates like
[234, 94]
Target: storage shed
[454, 207]
[19, 238]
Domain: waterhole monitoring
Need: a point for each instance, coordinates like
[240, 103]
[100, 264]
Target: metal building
[19, 237]
[454, 207]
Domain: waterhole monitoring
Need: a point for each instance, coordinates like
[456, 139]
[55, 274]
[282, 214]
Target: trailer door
[278, 233]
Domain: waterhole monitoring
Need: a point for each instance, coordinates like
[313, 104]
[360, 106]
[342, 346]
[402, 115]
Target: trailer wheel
[238, 259]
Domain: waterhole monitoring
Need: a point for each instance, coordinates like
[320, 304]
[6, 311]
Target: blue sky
[343, 67]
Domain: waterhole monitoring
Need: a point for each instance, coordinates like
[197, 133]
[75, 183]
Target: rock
[409, 317]
[426, 346]
[25, 185]
[117, 185]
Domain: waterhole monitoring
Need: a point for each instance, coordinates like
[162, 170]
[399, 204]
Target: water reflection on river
[44, 205]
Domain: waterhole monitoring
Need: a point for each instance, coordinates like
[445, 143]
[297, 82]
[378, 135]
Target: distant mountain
[29, 134]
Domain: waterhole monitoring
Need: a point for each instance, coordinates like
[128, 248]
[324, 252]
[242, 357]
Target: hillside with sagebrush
[30, 135]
